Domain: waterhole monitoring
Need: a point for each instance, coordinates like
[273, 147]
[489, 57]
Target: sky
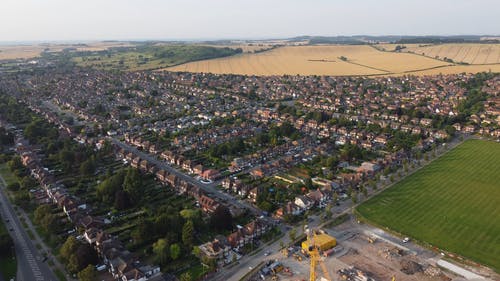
[49, 20]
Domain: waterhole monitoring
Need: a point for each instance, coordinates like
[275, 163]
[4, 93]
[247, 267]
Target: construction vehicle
[287, 271]
[285, 252]
[297, 257]
[316, 258]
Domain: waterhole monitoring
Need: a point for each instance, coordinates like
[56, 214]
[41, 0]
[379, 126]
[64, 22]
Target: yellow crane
[315, 259]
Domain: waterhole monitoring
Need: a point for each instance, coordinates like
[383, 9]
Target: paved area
[459, 270]
[29, 260]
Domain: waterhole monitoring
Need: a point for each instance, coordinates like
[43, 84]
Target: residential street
[208, 188]
[29, 260]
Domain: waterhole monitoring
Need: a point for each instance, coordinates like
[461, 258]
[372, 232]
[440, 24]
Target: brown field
[468, 53]
[32, 51]
[245, 47]
[324, 60]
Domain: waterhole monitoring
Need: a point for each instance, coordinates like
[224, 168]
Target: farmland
[147, 56]
[477, 54]
[8, 52]
[357, 60]
[452, 203]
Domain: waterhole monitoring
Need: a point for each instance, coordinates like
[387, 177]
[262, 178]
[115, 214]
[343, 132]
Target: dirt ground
[379, 260]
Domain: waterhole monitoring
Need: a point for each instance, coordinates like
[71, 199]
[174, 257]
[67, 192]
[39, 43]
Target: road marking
[22, 243]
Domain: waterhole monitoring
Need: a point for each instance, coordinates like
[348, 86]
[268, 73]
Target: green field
[453, 203]
[147, 56]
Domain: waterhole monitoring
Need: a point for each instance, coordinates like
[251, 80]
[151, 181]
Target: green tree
[14, 186]
[43, 216]
[132, 184]
[67, 159]
[364, 191]
[221, 219]
[308, 183]
[87, 167]
[186, 276]
[87, 274]
[73, 264]
[15, 163]
[292, 234]
[160, 248]
[68, 248]
[175, 251]
[188, 234]
[107, 189]
[354, 197]
[28, 183]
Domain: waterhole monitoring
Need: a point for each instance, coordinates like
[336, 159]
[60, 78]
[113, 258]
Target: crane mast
[315, 259]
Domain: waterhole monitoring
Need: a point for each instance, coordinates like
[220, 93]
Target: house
[198, 169]
[227, 183]
[136, 162]
[161, 175]
[290, 208]
[252, 195]
[368, 167]
[87, 222]
[317, 196]
[216, 249]
[211, 174]
[257, 173]
[207, 204]
[144, 165]
[469, 129]
[303, 202]
[188, 166]
[236, 239]
[441, 134]
[90, 235]
[173, 180]
[244, 190]
[69, 206]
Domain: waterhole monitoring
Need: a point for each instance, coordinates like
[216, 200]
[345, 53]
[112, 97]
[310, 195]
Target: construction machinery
[315, 257]
[297, 257]
[285, 252]
[372, 239]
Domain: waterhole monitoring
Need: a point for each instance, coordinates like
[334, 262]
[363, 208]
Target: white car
[406, 240]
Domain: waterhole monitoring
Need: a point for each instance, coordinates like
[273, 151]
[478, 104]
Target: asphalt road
[29, 261]
[208, 188]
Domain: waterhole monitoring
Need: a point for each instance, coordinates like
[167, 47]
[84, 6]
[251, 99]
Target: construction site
[353, 252]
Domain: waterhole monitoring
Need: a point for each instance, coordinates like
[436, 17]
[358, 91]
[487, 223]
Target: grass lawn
[8, 267]
[7, 175]
[453, 203]
[60, 275]
[8, 264]
[196, 271]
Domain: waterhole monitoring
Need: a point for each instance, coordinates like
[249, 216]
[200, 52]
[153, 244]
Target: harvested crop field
[8, 52]
[460, 53]
[326, 60]
[453, 203]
